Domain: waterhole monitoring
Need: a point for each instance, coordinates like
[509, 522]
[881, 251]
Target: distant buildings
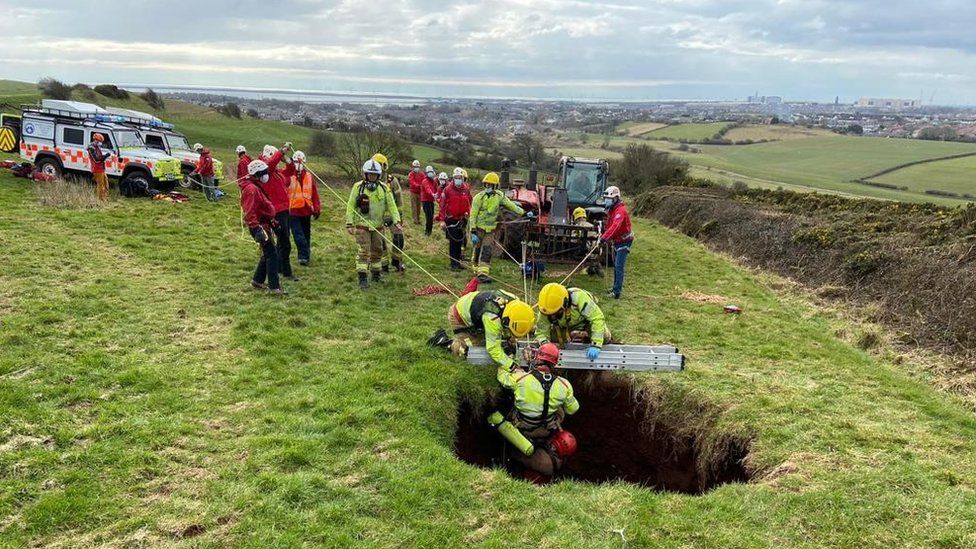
[765, 99]
[887, 103]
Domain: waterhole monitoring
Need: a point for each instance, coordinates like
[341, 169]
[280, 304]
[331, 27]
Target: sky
[572, 49]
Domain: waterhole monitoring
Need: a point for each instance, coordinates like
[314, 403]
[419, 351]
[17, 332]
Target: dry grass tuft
[67, 194]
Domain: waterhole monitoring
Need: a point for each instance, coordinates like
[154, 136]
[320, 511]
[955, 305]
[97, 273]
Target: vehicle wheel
[135, 184]
[186, 182]
[50, 167]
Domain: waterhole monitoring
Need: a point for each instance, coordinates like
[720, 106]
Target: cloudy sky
[617, 49]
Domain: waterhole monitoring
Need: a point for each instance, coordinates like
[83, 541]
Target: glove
[593, 353]
[316, 215]
[475, 239]
[259, 236]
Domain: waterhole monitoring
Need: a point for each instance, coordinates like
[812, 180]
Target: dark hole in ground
[619, 438]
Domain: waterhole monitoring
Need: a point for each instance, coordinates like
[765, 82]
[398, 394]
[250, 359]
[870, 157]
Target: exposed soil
[619, 438]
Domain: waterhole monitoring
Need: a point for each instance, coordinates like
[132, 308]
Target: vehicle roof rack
[76, 110]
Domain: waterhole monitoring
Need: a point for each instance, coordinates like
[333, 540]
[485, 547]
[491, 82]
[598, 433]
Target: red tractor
[554, 236]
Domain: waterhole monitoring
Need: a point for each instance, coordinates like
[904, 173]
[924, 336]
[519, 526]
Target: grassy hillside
[777, 132]
[637, 129]
[687, 132]
[149, 397]
[957, 175]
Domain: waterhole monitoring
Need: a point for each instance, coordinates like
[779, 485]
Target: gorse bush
[231, 110]
[112, 91]
[643, 168]
[54, 89]
[153, 99]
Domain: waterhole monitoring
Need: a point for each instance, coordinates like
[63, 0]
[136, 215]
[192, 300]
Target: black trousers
[456, 235]
[428, 217]
[283, 237]
[268, 264]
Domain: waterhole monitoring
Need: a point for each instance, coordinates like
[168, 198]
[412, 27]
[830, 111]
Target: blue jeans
[621, 251]
[301, 229]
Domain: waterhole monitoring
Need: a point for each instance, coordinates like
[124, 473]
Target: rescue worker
[491, 317]
[416, 179]
[97, 157]
[579, 219]
[243, 159]
[392, 254]
[485, 211]
[369, 202]
[442, 181]
[205, 170]
[571, 315]
[619, 234]
[542, 400]
[277, 190]
[259, 215]
[303, 205]
[453, 213]
[428, 197]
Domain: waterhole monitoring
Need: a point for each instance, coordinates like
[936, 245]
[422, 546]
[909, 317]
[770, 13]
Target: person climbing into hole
[492, 317]
[534, 425]
[571, 315]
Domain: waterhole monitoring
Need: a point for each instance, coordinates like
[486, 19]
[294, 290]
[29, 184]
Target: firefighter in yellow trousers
[370, 202]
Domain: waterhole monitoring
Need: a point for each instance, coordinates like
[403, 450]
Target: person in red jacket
[416, 180]
[619, 234]
[303, 196]
[97, 158]
[243, 159]
[428, 192]
[259, 215]
[205, 169]
[277, 190]
[455, 208]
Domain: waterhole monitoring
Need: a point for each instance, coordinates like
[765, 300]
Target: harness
[546, 379]
[362, 201]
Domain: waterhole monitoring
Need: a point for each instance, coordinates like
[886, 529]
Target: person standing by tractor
[453, 213]
[571, 315]
[542, 400]
[416, 179]
[428, 197]
[619, 234]
[485, 211]
[243, 160]
[205, 169]
[303, 205]
[97, 157]
[259, 215]
[277, 190]
[392, 254]
[490, 317]
[579, 219]
[369, 202]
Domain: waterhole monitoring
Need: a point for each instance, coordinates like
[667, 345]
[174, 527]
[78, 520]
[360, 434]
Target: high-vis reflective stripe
[300, 192]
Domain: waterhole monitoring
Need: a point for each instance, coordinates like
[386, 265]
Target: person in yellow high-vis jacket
[392, 255]
[571, 315]
[485, 211]
[491, 317]
[370, 203]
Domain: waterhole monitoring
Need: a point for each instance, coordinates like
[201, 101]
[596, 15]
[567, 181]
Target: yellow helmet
[579, 213]
[491, 178]
[552, 298]
[381, 158]
[518, 317]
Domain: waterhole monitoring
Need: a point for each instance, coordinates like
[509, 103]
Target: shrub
[112, 91]
[54, 89]
[153, 99]
[231, 110]
[643, 168]
[322, 144]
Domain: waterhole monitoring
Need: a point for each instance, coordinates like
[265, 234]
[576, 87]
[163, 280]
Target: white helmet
[241, 149]
[269, 151]
[256, 167]
[459, 172]
[442, 176]
[197, 147]
[429, 170]
[415, 163]
[372, 166]
[611, 192]
[299, 156]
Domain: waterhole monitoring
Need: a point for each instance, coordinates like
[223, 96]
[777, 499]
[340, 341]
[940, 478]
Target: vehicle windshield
[128, 139]
[177, 142]
[584, 183]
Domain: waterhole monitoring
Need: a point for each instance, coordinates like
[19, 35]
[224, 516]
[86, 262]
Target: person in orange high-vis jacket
[97, 157]
[303, 201]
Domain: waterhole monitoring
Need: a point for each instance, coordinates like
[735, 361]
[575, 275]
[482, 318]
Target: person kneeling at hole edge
[492, 318]
[534, 426]
[259, 215]
[369, 202]
[571, 315]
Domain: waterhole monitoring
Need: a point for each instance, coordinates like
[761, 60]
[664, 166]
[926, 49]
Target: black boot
[377, 277]
[363, 284]
[398, 266]
[385, 268]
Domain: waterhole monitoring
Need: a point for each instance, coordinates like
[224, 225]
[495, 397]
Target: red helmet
[548, 355]
[563, 443]
[98, 137]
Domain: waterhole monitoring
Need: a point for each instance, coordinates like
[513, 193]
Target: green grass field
[779, 132]
[687, 132]
[957, 175]
[637, 129]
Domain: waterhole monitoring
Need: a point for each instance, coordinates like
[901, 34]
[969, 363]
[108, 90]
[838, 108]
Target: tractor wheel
[50, 167]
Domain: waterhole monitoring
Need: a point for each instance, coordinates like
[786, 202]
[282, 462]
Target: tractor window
[154, 141]
[73, 136]
[177, 142]
[584, 183]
